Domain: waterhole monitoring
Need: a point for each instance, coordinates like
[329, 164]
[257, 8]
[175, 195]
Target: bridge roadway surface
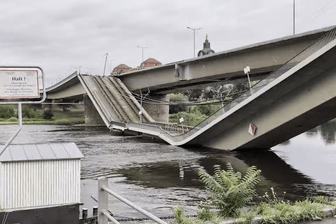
[293, 99]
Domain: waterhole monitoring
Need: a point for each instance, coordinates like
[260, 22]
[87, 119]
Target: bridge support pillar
[159, 112]
[90, 113]
[48, 104]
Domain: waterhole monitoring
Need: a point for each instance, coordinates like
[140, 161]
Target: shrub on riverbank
[7, 111]
[191, 114]
[59, 118]
[29, 113]
[190, 119]
[230, 192]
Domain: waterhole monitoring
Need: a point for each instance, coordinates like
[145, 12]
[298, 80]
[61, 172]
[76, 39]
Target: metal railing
[103, 214]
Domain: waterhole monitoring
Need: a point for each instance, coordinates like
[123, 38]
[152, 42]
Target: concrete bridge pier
[158, 109]
[92, 117]
[48, 104]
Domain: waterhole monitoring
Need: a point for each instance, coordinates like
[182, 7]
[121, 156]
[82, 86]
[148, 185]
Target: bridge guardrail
[104, 216]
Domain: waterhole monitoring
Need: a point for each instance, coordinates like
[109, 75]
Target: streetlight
[194, 29]
[293, 17]
[142, 49]
[106, 56]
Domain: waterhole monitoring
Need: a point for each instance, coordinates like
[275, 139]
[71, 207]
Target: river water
[159, 177]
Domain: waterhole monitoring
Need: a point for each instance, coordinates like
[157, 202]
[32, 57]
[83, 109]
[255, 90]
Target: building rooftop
[34, 152]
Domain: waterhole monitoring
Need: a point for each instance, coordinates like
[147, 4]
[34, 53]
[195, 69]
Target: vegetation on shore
[229, 195]
[196, 105]
[192, 115]
[8, 115]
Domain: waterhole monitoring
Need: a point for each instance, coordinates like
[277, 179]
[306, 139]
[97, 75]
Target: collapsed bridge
[295, 93]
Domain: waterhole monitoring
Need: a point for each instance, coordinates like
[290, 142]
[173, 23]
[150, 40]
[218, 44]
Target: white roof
[33, 152]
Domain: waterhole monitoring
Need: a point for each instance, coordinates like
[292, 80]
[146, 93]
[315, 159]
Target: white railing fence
[103, 214]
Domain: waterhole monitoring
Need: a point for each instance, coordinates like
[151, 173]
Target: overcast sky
[62, 35]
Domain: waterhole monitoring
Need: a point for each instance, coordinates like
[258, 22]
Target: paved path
[324, 221]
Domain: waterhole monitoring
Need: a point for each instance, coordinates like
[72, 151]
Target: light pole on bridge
[142, 51]
[194, 29]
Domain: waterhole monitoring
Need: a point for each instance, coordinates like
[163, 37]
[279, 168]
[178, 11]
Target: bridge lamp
[194, 29]
[246, 71]
[142, 51]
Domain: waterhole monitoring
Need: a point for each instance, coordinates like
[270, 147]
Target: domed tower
[206, 48]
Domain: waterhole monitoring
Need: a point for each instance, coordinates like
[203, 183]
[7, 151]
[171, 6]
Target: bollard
[84, 213]
[95, 211]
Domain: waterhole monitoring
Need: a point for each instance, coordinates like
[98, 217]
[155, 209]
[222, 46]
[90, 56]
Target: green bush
[178, 101]
[230, 191]
[12, 119]
[29, 113]
[180, 217]
[47, 114]
[209, 109]
[7, 111]
[190, 119]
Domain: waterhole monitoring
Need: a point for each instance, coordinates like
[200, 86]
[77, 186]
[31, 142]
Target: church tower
[206, 48]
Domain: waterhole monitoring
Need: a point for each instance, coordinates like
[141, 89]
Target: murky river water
[158, 177]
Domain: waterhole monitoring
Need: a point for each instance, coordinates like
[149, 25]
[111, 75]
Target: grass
[279, 213]
[190, 119]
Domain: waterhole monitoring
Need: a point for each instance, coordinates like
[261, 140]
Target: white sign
[19, 84]
[247, 69]
[181, 120]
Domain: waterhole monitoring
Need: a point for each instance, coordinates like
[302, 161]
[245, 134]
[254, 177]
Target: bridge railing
[103, 214]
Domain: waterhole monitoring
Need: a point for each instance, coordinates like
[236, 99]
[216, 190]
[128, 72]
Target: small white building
[40, 175]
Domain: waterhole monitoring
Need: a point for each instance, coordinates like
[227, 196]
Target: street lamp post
[293, 16]
[142, 49]
[194, 29]
[106, 56]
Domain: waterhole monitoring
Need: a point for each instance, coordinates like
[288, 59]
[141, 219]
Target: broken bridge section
[114, 102]
[291, 100]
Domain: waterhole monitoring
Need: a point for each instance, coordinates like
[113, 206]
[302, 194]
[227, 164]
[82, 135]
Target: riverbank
[59, 118]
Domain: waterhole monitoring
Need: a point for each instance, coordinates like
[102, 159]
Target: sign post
[17, 82]
[246, 71]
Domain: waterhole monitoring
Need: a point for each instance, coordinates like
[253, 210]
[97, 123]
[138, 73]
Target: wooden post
[102, 200]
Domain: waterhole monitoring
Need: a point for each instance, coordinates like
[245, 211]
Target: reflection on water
[158, 176]
[327, 131]
[313, 154]
[275, 172]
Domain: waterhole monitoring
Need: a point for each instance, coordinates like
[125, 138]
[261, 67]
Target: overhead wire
[319, 13]
[149, 100]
